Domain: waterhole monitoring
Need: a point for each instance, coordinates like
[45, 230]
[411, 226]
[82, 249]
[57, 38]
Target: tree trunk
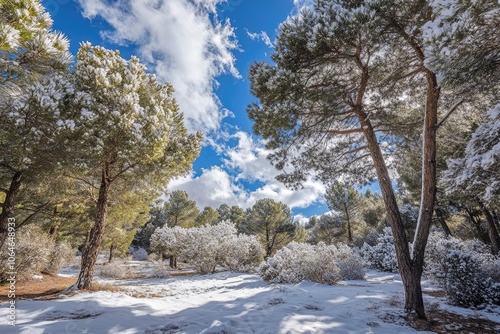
[173, 262]
[410, 276]
[349, 231]
[89, 256]
[442, 221]
[111, 253]
[492, 230]
[410, 273]
[8, 205]
[429, 184]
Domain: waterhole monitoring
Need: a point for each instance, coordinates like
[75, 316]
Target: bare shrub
[115, 270]
[32, 253]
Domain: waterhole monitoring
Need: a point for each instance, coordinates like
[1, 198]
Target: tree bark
[91, 251]
[111, 253]
[410, 270]
[442, 221]
[8, 205]
[173, 262]
[349, 231]
[410, 275]
[429, 184]
[492, 229]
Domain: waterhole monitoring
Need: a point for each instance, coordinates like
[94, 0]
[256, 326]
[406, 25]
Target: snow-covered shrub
[350, 264]
[244, 253]
[115, 269]
[372, 237]
[169, 242]
[138, 253]
[33, 250]
[297, 262]
[381, 256]
[209, 246]
[160, 270]
[153, 257]
[61, 255]
[467, 272]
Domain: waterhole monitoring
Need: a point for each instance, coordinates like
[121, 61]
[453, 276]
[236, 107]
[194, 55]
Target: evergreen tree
[346, 202]
[272, 223]
[180, 210]
[208, 216]
[334, 96]
[31, 94]
[132, 136]
[477, 175]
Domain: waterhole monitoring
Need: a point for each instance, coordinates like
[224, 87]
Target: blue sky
[207, 62]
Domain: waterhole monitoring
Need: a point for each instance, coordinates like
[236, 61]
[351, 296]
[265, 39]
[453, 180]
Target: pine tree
[131, 136]
[332, 105]
[208, 216]
[180, 210]
[31, 94]
[346, 202]
[272, 223]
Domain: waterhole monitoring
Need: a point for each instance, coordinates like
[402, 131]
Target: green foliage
[208, 216]
[180, 211]
[346, 202]
[272, 223]
[33, 59]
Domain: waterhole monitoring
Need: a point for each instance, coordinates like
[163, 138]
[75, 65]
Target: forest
[403, 95]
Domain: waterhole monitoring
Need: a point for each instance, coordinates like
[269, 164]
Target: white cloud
[262, 36]
[247, 161]
[212, 188]
[178, 39]
[299, 4]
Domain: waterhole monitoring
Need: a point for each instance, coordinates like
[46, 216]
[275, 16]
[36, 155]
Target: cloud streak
[262, 36]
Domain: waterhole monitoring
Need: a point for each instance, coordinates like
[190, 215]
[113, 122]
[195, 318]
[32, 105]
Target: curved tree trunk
[410, 264]
[89, 256]
[8, 205]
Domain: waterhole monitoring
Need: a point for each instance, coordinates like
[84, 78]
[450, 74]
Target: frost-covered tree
[272, 223]
[209, 246]
[334, 103]
[477, 175]
[346, 202]
[31, 94]
[462, 44]
[169, 242]
[29, 48]
[131, 134]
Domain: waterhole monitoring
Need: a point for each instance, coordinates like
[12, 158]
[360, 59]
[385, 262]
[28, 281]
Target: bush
[33, 252]
[350, 264]
[115, 270]
[61, 255]
[138, 253]
[381, 256]
[297, 262]
[319, 263]
[465, 269]
[209, 246]
[160, 270]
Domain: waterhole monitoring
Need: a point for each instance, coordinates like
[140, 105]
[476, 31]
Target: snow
[224, 303]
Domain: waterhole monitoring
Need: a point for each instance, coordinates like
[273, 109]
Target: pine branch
[452, 109]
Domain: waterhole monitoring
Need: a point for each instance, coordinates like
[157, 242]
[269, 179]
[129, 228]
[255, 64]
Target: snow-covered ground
[226, 303]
